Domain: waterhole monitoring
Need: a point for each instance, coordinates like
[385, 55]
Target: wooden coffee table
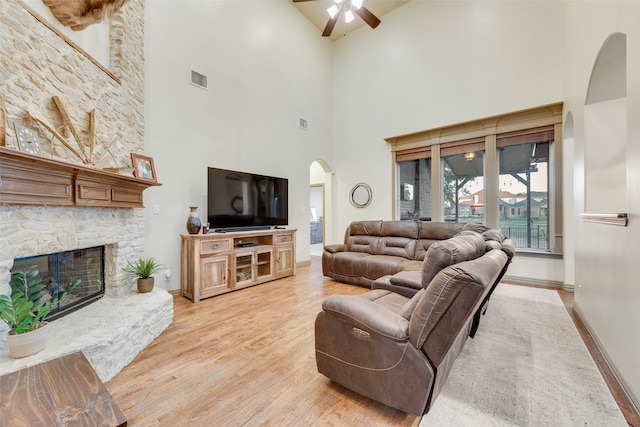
[64, 391]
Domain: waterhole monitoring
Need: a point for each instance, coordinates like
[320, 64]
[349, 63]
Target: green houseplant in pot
[143, 269]
[25, 310]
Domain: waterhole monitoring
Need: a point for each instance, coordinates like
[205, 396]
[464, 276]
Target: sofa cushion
[459, 287]
[493, 234]
[359, 243]
[396, 246]
[364, 228]
[387, 299]
[349, 263]
[409, 307]
[380, 265]
[439, 230]
[432, 232]
[408, 278]
[444, 253]
[473, 226]
[384, 282]
[408, 229]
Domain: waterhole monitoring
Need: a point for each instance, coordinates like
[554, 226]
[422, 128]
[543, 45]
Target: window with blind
[497, 171]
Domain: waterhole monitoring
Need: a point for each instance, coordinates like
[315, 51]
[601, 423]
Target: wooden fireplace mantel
[32, 180]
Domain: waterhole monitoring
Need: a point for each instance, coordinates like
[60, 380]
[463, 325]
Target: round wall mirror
[360, 195]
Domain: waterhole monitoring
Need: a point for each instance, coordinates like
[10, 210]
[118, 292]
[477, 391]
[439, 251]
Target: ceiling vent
[199, 80]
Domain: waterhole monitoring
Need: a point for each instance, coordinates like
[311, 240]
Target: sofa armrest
[366, 314]
[338, 247]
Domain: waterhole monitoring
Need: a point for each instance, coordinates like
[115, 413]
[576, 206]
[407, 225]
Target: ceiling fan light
[333, 11]
[357, 4]
[348, 16]
[470, 156]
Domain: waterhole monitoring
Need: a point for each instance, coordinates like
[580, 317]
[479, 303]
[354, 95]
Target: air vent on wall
[198, 79]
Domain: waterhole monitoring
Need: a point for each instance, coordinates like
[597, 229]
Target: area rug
[526, 366]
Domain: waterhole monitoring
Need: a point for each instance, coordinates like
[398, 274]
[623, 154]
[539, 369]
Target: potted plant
[143, 268]
[25, 310]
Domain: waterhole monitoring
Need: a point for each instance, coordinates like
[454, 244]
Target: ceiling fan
[349, 7]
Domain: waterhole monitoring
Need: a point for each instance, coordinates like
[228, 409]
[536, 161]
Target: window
[498, 171]
[415, 189]
[463, 187]
[523, 158]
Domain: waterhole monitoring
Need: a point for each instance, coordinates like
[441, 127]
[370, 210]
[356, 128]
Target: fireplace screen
[60, 269]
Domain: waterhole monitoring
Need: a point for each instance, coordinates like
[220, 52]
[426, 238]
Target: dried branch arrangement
[81, 151]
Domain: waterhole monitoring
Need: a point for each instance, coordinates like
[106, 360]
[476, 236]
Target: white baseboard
[553, 284]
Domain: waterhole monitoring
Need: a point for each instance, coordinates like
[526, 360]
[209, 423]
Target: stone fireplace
[110, 331]
[87, 207]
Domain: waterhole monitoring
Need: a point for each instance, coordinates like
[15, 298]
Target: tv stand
[217, 263]
[234, 229]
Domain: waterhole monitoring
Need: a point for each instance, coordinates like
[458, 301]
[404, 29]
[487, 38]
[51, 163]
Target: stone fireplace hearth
[110, 331]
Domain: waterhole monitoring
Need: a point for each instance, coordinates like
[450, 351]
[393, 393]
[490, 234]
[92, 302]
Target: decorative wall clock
[27, 140]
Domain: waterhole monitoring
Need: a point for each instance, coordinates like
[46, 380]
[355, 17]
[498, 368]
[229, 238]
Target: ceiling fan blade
[332, 23]
[367, 16]
[300, 1]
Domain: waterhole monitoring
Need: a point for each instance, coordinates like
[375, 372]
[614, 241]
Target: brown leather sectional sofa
[397, 343]
[373, 249]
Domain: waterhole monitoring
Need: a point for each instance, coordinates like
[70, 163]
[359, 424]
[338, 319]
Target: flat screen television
[246, 200]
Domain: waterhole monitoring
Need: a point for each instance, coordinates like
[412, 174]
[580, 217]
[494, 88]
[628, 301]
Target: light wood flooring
[247, 359]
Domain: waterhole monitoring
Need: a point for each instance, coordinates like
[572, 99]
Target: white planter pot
[29, 343]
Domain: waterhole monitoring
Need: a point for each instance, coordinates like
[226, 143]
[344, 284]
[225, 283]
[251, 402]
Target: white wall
[431, 64]
[266, 68]
[428, 64]
[607, 292]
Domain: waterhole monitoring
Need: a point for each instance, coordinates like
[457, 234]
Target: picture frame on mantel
[143, 167]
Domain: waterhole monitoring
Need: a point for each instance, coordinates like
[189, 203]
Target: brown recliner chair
[399, 350]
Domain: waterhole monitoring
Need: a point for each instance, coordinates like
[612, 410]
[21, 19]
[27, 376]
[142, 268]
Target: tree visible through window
[463, 187]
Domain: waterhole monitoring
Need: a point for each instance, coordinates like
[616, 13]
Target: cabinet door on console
[214, 275]
[284, 261]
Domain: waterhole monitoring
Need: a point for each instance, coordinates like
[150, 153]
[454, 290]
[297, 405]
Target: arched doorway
[320, 206]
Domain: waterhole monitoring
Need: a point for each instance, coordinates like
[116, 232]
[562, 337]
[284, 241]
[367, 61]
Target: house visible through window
[524, 183]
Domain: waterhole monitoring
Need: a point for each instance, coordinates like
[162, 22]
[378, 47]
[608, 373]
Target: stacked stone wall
[37, 64]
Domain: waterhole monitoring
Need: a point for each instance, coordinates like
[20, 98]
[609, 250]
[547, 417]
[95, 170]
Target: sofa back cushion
[431, 232]
[363, 236]
[463, 247]
[398, 238]
[450, 301]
